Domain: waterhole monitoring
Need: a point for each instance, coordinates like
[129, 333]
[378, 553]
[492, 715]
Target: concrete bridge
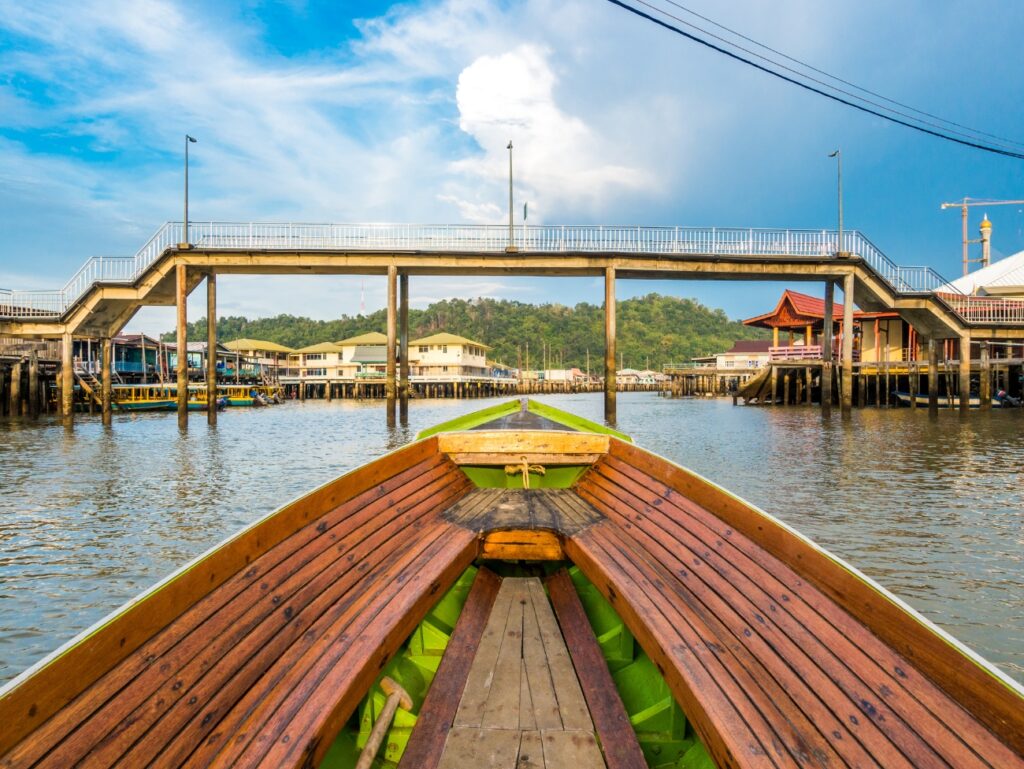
[107, 292]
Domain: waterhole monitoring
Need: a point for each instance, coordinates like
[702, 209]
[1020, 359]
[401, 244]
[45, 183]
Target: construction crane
[964, 205]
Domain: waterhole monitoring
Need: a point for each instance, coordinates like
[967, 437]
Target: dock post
[389, 385]
[609, 345]
[847, 394]
[33, 384]
[985, 380]
[67, 380]
[106, 363]
[211, 349]
[181, 297]
[913, 382]
[965, 374]
[15, 393]
[933, 377]
[403, 347]
[827, 331]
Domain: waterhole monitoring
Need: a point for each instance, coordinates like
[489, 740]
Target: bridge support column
[67, 380]
[965, 374]
[933, 378]
[15, 393]
[106, 387]
[33, 385]
[827, 330]
[985, 379]
[389, 384]
[403, 346]
[181, 297]
[847, 393]
[609, 345]
[211, 349]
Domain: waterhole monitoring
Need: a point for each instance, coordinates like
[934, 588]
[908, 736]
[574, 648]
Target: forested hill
[652, 329]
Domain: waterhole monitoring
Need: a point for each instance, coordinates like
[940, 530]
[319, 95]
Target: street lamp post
[511, 232]
[838, 155]
[184, 225]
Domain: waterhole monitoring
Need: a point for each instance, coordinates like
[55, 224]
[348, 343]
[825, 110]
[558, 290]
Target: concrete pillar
[403, 346]
[33, 385]
[15, 393]
[609, 345]
[181, 297]
[211, 349]
[985, 381]
[965, 374]
[847, 383]
[106, 386]
[933, 377]
[826, 349]
[67, 380]
[389, 385]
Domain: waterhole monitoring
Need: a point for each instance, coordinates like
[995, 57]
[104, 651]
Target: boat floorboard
[522, 705]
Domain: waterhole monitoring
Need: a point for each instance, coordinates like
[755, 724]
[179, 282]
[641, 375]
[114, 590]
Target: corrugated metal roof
[1004, 276]
[256, 344]
[370, 353]
[322, 347]
[372, 337]
[445, 338]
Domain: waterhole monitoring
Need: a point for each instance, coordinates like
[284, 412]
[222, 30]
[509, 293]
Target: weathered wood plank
[501, 710]
[618, 740]
[546, 711]
[474, 748]
[572, 749]
[522, 545]
[531, 752]
[546, 459]
[437, 715]
[515, 442]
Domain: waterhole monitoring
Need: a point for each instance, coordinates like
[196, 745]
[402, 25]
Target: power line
[811, 88]
[827, 74]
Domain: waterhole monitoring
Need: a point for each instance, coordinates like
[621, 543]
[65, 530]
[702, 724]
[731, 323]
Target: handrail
[483, 238]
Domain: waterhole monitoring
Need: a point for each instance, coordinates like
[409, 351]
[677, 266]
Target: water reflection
[930, 508]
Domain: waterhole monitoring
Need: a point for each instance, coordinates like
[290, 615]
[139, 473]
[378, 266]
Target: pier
[103, 296]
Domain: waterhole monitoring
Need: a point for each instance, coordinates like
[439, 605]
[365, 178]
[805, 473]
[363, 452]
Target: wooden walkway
[522, 707]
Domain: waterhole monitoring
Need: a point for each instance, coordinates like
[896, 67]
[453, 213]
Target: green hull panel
[482, 417]
[556, 477]
[469, 421]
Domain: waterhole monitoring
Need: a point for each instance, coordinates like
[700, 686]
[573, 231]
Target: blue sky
[376, 111]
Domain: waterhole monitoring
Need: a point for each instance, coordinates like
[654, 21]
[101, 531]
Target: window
[316, 372]
[315, 356]
[444, 348]
[424, 348]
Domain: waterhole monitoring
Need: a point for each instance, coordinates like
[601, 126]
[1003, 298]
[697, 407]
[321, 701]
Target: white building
[447, 357]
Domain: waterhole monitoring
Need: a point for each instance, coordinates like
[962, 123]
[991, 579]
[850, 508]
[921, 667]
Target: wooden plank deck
[522, 706]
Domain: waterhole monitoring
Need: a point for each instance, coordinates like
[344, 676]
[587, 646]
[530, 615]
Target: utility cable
[813, 89]
[827, 74]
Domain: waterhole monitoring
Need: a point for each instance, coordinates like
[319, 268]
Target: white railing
[985, 309]
[459, 238]
[796, 352]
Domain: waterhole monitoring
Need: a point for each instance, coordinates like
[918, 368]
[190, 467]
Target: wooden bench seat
[265, 668]
[771, 671]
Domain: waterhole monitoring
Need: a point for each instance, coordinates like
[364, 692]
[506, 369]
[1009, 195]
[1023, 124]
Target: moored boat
[518, 581]
[944, 401]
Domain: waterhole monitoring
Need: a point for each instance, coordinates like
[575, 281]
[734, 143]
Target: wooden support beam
[609, 345]
[67, 380]
[828, 330]
[389, 383]
[847, 383]
[965, 373]
[403, 346]
[106, 386]
[181, 298]
[933, 377]
[33, 385]
[211, 349]
[15, 392]
[985, 379]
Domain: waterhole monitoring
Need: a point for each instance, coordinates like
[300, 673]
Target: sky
[401, 112]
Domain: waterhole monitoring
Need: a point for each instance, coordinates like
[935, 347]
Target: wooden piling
[609, 345]
[389, 384]
[933, 378]
[914, 383]
[785, 388]
[15, 392]
[985, 378]
[775, 385]
[847, 383]
[828, 328]
[403, 346]
[965, 374]
[106, 387]
[67, 380]
[33, 385]
[181, 297]
[211, 349]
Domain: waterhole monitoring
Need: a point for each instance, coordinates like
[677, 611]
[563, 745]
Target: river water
[932, 509]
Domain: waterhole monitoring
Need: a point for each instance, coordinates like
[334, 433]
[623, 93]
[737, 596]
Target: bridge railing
[985, 309]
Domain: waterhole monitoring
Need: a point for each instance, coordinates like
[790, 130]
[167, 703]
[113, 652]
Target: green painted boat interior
[503, 416]
[555, 477]
[666, 737]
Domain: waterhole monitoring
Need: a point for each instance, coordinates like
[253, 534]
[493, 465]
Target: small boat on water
[516, 588]
[904, 398]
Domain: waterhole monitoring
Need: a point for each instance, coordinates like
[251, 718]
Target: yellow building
[447, 357]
